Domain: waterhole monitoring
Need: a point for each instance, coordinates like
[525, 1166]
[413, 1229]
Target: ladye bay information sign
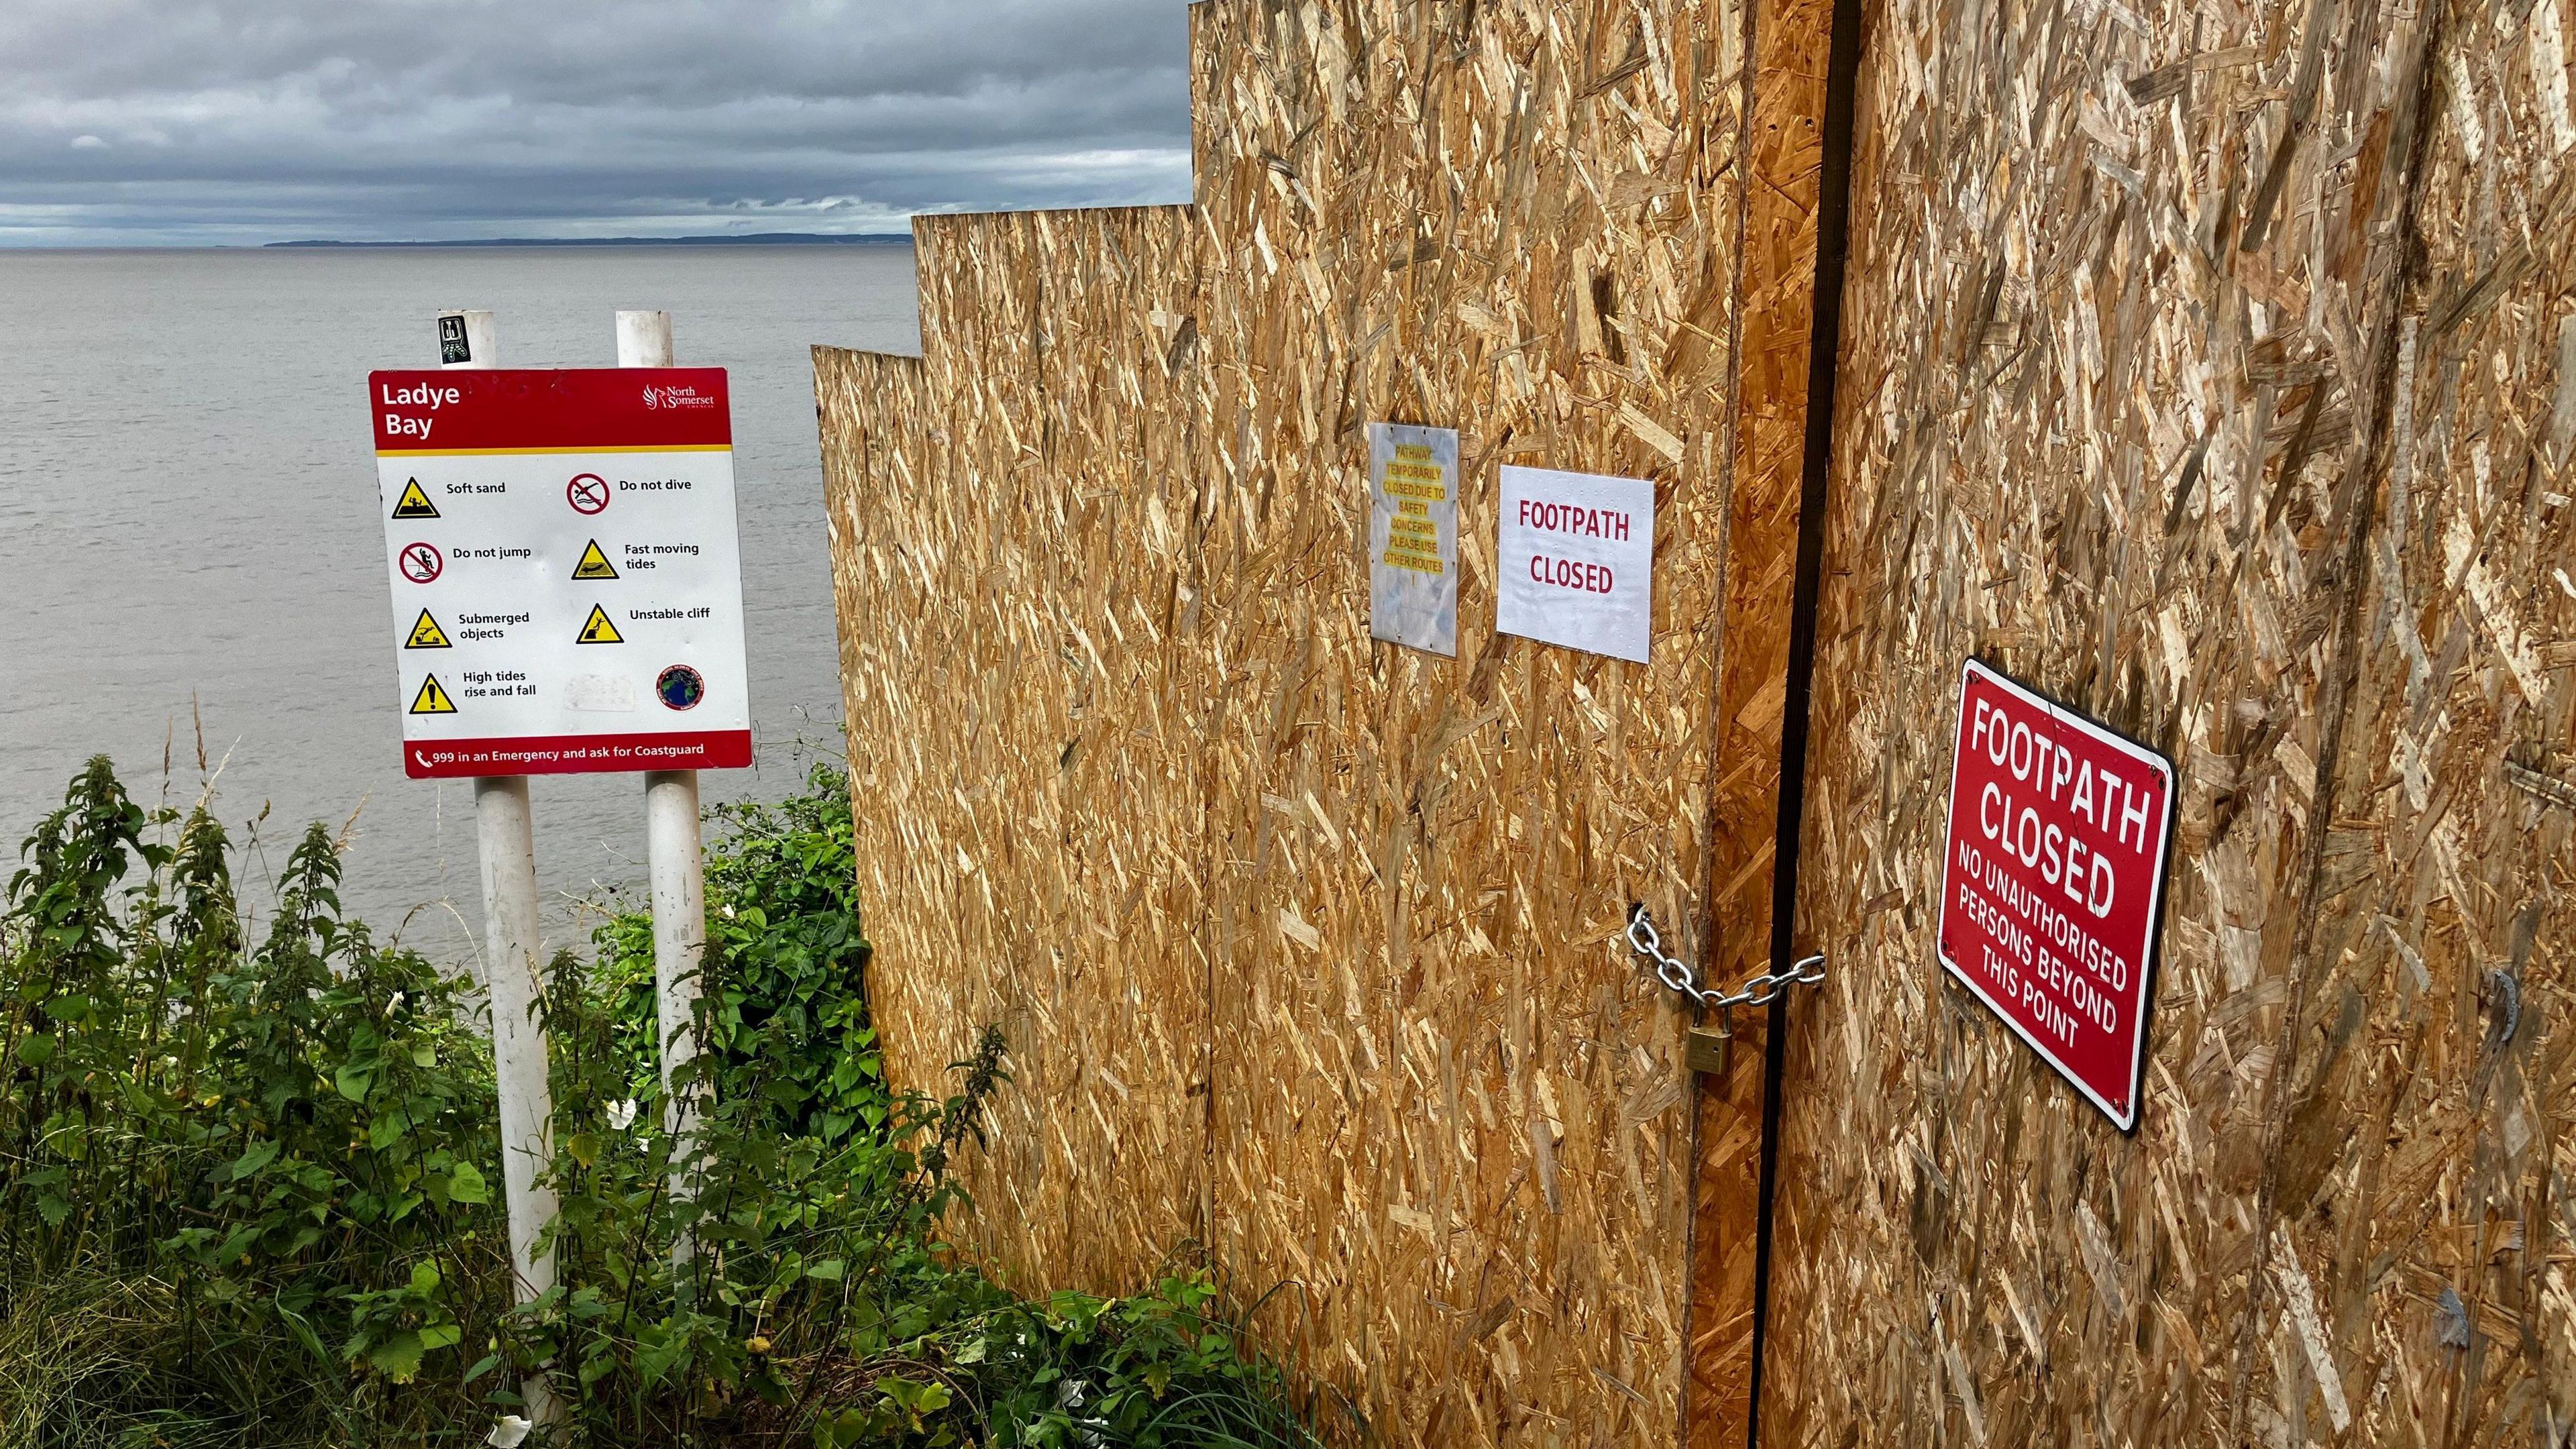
[567, 581]
[2052, 876]
[1413, 536]
[1576, 554]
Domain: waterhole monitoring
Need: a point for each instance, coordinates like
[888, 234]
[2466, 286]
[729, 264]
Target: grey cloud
[254, 120]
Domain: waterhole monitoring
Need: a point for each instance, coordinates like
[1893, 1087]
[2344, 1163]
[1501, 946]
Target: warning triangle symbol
[427, 635]
[594, 564]
[597, 629]
[414, 503]
[432, 698]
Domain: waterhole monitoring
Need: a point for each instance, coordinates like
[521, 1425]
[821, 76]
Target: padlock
[1705, 1050]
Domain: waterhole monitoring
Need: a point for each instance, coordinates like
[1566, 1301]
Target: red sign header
[2052, 878]
[550, 409]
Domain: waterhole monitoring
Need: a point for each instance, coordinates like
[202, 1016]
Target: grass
[249, 1183]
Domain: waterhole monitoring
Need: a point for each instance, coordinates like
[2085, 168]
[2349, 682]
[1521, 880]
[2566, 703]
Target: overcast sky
[134, 122]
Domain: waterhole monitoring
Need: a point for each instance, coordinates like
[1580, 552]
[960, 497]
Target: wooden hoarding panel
[2422, 1258]
[1008, 665]
[1447, 1102]
[1133, 780]
[2198, 367]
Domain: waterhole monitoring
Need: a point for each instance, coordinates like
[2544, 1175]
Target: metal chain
[1760, 989]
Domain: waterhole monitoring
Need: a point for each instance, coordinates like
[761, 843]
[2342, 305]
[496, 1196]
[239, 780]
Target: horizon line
[775, 238]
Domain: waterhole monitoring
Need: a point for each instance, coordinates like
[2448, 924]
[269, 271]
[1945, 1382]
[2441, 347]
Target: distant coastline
[757, 239]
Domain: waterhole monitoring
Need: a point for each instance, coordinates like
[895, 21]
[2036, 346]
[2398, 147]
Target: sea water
[190, 551]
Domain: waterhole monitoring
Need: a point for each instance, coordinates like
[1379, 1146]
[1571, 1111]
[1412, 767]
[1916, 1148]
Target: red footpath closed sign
[2052, 877]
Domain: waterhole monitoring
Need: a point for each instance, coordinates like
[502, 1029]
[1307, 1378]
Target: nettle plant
[249, 1178]
[288, 1139]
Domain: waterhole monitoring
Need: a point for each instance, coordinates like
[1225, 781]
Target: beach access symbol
[426, 634]
[432, 698]
[594, 564]
[598, 630]
[414, 503]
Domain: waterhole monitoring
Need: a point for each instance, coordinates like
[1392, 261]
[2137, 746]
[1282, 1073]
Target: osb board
[1008, 671]
[2426, 1172]
[1354, 905]
[1447, 1103]
[2121, 388]
[1774, 317]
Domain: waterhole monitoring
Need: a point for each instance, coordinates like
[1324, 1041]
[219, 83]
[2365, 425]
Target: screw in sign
[2052, 878]
[421, 563]
[587, 493]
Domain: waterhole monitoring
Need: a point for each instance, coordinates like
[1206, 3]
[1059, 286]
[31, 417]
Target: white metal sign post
[567, 598]
[674, 856]
[505, 840]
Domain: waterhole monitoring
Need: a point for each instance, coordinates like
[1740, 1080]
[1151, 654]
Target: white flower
[509, 1431]
[621, 1115]
[393, 1003]
[1069, 1394]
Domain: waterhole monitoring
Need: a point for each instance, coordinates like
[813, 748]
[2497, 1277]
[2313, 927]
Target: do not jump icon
[420, 562]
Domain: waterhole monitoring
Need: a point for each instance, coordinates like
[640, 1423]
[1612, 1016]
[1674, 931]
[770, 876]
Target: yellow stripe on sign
[525, 452]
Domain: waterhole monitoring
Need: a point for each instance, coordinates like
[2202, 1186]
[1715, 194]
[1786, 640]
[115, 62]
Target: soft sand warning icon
[432, 698]
[414, 503]
[597, 629]
[594, 564]
[427, 635]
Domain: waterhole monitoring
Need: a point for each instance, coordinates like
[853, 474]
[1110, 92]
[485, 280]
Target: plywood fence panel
[1447, 1103]
[1112, 714]
[1773, 319]
[1149, 797]
[2128, 294]
[2424, 1212]
[1007, 662]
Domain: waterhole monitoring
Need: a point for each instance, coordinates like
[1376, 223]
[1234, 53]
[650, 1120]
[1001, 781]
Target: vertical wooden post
[1782, 151]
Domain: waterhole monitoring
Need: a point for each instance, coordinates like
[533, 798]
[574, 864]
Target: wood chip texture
[1306, 946]
[2208, 366]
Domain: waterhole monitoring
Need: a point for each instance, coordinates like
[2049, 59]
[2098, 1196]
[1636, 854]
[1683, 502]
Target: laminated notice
[1576, 557]
[1413, 536]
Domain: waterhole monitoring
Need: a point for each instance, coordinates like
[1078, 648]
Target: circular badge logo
[680, 687]
[587, 493]
[421, 562]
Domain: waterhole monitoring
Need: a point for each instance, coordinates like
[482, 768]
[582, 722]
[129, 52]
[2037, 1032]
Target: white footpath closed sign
[1576, 555]
[567, 583]
[1413, 536]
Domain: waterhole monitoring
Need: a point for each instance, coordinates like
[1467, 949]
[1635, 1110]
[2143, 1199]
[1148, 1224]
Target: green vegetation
[250, 1184]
